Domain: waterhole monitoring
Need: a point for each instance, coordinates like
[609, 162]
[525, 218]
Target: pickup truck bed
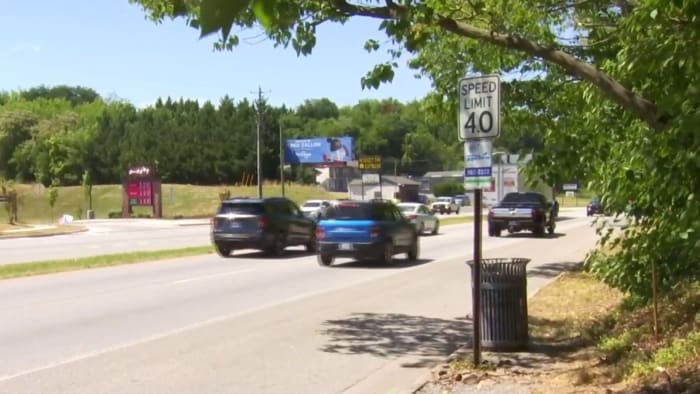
[522, 212]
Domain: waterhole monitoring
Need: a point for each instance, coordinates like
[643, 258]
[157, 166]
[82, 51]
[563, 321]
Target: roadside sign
[479, 107]
[477, 164]
[370, 163]
[570, 187]
[370, 179]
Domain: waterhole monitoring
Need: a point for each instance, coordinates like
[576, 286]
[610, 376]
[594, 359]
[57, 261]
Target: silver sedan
[420, 216]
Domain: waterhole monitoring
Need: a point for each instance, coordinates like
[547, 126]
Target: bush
[224, 195]
[114, 214]
[448, 189]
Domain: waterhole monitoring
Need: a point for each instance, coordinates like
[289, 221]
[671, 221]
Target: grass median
[16, 270]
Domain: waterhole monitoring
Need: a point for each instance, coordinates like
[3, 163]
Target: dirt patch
[565, 319]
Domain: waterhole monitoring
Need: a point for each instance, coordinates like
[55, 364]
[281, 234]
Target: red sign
[139, 193]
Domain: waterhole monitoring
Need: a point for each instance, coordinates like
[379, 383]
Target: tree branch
[640, 106]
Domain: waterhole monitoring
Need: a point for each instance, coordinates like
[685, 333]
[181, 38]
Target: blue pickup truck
[364, 230]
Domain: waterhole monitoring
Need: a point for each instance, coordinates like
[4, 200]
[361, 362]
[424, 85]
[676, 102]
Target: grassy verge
[46, 267]
[456, 220]
[565, 319]
[634, 357]
[185, 201]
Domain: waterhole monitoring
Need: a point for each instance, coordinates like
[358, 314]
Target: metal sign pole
[476, 285]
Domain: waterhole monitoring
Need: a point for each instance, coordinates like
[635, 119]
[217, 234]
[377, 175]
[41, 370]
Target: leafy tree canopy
[612, 87]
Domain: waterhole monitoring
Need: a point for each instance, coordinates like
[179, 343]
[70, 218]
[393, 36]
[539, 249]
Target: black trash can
[504, 323]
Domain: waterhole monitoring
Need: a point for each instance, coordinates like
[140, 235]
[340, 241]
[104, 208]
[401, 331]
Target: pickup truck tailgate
[512, 213]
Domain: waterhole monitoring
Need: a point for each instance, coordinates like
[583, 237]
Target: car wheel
[457, 211]
[539, 231]
[278, 245]
[421, 228]
[387, 253]
[436, 228]
[223, 250]
[412, 254]
[312, 245]
[550, 229]
[324, 260]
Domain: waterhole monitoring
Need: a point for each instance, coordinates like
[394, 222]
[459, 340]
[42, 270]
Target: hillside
[178, 200]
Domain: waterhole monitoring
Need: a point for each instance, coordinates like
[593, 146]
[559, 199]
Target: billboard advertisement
[319, 150]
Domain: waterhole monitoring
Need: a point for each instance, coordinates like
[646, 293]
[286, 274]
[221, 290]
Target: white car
[314, 209]
[444, 205]
[420, 216]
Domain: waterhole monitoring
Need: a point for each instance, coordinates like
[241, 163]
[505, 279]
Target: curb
[28, 234]
[424, 379]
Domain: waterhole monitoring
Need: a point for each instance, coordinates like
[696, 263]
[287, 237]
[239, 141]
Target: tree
[613, 93]
[53, 197]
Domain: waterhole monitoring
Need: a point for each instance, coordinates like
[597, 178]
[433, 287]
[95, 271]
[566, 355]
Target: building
[405, 189]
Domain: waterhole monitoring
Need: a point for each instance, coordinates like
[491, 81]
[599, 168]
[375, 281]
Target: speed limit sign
[479, 107]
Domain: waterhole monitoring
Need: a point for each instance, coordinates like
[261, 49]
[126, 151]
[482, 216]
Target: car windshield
[354, 211]
[595, 201]
[407, 208]
[522, 197]
[444, 199]
[312, 204]
[245, 208]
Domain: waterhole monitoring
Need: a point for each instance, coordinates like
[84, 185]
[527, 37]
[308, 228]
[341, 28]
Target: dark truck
[522, 211]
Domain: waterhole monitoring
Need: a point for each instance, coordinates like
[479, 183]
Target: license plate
[345, 246]
[235, 225]
[512, 223]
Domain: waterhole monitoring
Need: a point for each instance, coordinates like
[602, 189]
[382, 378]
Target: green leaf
[371, 45]
[654, 13]
[264, 10]
[218, 15]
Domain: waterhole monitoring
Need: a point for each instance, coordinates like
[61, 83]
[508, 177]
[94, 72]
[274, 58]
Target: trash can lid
[501, 260]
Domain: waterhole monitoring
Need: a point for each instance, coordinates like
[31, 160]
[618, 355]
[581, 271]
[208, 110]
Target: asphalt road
[252, 324]
[116, 236]
[106, 237]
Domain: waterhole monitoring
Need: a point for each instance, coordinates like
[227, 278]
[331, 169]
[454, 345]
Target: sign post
[479, 124]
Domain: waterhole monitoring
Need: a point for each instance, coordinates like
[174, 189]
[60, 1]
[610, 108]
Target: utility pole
[258, 121]
[281, 160]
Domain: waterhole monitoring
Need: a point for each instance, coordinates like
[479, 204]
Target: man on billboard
[338, 150]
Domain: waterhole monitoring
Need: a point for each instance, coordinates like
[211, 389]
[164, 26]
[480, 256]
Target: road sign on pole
[479, 107]
[477, 164]
[479, 124]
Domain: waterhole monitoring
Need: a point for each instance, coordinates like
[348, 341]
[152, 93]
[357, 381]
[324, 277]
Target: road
[251, 324]
[106, 237]
[116, 236]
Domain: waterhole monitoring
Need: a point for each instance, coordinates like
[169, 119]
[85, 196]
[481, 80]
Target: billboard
[319, 150]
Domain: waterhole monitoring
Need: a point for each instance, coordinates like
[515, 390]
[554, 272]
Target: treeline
[54, 135]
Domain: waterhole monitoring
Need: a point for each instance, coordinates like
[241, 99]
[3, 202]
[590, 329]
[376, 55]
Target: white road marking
[218, 275]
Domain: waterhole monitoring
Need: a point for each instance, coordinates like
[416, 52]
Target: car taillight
[535, 214]
[320, 234]
[262, 222]
[213, 221]
[412, 216]
[491, 213]
[374, 232]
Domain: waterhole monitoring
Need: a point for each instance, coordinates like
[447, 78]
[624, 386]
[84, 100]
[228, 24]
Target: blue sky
[109, 46]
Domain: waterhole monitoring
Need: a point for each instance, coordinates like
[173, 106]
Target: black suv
[269, 224]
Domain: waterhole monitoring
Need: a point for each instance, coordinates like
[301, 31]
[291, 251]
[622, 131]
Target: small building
[399, 187]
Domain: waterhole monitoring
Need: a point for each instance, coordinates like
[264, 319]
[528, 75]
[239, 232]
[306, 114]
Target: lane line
[217, 275]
